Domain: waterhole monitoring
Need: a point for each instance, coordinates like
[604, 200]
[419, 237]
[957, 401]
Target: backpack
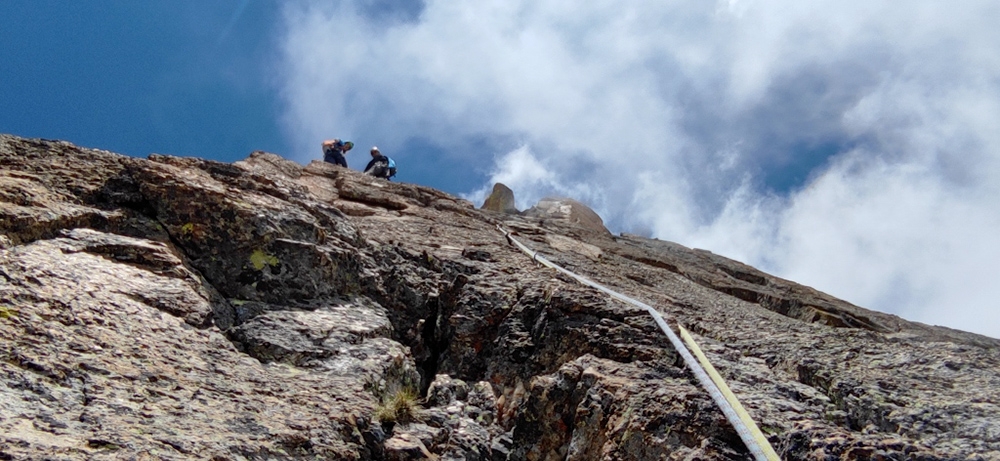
[392, 168]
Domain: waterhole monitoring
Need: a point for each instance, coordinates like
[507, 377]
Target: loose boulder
[501, 200]
[568, 211]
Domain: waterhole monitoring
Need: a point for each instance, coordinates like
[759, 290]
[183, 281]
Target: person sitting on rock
[334, 151]
[380, 166]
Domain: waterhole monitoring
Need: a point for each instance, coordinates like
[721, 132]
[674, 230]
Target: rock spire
[180, 308]
[501, 200]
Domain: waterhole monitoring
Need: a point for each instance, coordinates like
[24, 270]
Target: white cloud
[896, 237]
[849, 145]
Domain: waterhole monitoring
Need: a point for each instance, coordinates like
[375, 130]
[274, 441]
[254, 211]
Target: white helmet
[375, 149]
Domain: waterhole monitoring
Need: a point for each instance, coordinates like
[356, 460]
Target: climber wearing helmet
[334, 151]
[380, 166]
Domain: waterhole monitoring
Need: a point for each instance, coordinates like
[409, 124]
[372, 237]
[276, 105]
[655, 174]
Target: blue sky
[182, 77]
[179, 77]
[849, 145]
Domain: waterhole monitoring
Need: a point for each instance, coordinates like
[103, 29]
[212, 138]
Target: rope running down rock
[748, 431]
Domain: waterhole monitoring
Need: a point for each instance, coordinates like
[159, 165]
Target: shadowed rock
[501, 200]
[179, 308]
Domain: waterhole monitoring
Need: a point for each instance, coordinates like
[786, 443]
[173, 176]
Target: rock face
[568, 211]
[501, 200]
[177, 308]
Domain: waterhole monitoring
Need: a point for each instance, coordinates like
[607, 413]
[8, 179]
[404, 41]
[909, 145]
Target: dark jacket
[378, 167]
[335, 154]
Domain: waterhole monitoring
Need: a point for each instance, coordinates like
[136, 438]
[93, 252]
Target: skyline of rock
[179, 308]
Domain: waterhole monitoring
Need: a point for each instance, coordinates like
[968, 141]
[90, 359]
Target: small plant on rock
[397, 394]
[398, 406]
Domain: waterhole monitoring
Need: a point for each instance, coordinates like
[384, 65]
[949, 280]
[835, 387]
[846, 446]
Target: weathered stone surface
[177, 308]
[100, 360]
[501, 200]
[568, 211]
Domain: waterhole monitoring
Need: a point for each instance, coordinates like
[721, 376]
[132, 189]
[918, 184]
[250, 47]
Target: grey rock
[568, 211]
[178, 308]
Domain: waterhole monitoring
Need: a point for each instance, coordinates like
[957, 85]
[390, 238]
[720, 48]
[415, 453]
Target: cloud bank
[850, 145]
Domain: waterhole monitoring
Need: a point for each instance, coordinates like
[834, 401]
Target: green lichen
[7, 312]
[259, 259]
[187, 228]
[770, 430]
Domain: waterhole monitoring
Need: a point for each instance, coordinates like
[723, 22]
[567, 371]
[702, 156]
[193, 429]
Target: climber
[380, 166]
[334, 151]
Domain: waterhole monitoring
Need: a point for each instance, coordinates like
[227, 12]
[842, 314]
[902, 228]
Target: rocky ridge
[179, 308]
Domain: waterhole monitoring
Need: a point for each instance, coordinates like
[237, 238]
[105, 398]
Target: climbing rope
[748, 431]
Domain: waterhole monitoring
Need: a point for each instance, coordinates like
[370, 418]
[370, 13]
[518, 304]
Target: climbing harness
[716, 387]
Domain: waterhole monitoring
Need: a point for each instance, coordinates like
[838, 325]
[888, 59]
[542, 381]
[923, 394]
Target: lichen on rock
[179, 308]
[259, 259]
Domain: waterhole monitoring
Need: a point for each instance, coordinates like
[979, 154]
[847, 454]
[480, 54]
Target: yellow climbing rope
[702, 369]
[728, 394]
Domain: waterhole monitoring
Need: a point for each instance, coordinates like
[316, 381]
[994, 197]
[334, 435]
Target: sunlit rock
[179, 308]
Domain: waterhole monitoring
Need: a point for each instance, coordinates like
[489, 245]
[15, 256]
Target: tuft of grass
[397, 392]
[398, 406]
